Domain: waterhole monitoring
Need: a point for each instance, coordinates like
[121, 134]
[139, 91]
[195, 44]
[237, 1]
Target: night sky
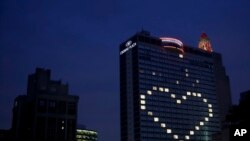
[79, 41]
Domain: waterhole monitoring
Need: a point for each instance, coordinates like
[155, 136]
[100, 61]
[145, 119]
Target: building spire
[205, 43]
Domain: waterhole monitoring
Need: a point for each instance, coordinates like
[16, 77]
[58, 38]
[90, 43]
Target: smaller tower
[204, 43]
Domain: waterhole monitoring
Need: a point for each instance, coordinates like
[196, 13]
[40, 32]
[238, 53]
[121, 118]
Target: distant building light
[161, 89]
[143, 107]
[154, 88]
[181, 55]
[194, 94]
[150, 113]
[166, 90]
[199, 94]
[169, 131]
[149, 92]
[172, 95]
[156, 119]
[205, 100]
[210, 115]
[143, 96]
[163, 125]
[178, 101]
[197, 128]
[201, 123]
[175, 136]
[143, 102]
[210, 105]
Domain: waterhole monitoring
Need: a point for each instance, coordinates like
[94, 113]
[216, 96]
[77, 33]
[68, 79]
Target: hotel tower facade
[170, 91]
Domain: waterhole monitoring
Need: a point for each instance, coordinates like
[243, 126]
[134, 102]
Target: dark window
[71, 108]
[41, 107]
[62, 107]
[52, 106]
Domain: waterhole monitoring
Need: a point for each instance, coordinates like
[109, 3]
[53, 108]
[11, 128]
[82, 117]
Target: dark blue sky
[78, 41]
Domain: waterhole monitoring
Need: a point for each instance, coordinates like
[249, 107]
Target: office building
[171, 91]
[47, 112]
[84, 134]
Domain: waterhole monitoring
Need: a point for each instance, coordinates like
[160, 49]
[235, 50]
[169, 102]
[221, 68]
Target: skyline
[79, 41]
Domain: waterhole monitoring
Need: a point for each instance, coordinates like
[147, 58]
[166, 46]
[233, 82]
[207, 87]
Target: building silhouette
[5, 135]
[170, 91]
[238, 117]
[47, 112]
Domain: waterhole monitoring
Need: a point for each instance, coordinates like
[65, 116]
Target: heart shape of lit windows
[177, 100]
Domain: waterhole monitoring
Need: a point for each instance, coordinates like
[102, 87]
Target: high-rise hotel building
[170, 91]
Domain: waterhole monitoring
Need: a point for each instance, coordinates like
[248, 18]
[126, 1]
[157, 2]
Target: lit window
[143, 102]
[153, 73]
[197, 128]
[197, 81]
[143, 107]
[201, 123]
[150, 113]
[166, 90]
[154, 88]
[210, 105]
[161, 89]
[210, 110]
[187, 137]
[184, 97]
[187, 75]
[175, 136]
[62, 127]
[177, 82]
[205, 100]
[143, 96]
[172, 95]
[191, 132]
[163, 125]
[169, 131]
[149, 92]
[210, 115]
[193, 84]
[178, 101]
[199, 94]
[188, 93]
[206, 119]
[156, 119]
[181, 55]
[186, 70]
[194, 94]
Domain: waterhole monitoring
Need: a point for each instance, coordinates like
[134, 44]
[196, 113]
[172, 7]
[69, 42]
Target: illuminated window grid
[187, 137]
